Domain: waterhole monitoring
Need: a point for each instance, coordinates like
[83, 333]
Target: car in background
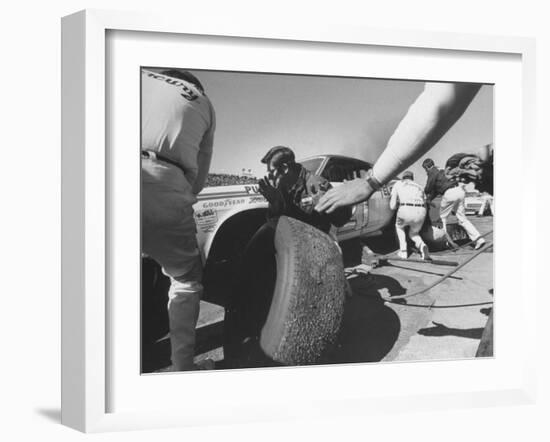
[473, 202]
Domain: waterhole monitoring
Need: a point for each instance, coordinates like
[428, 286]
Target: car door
[380, 213]
[336, 170]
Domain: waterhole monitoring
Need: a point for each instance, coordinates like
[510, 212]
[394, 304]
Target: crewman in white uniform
[177, 134]
[452, 200]
[409, 200]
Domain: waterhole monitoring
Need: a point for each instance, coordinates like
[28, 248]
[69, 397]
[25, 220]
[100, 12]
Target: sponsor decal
[223, 203]
[206, 220]
[254, 188]
[256, 199]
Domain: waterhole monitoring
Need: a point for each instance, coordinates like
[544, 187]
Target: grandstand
[225, 179]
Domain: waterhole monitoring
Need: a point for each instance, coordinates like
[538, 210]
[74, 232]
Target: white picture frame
[86, 216]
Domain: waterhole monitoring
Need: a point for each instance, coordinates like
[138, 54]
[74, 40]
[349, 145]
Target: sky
[324, 115]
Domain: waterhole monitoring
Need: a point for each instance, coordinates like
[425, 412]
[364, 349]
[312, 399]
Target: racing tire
[307, 306]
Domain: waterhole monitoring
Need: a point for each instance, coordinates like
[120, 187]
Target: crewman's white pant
[453, 201]
[168, 235]
[183, 312]
[413, 217]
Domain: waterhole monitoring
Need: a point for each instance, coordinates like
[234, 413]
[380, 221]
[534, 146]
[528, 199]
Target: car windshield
[339, 169]
[312, 164]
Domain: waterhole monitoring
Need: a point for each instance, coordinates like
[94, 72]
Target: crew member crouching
[452, 201]
[410, 201]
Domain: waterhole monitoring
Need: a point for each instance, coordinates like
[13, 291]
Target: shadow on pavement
[486, 311]
[442, 330]
[155, 351]
[370, 328]
[155, 355]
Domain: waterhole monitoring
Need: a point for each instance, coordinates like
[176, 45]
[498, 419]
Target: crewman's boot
[479, 243]
[424, 252]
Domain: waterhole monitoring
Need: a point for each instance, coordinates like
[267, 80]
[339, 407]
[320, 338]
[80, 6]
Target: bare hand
[347, 194]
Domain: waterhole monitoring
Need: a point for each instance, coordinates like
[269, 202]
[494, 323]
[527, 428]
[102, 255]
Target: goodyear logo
[223, 203]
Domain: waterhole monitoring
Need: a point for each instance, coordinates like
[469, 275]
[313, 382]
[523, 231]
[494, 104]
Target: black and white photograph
[304, 246]
[291, 220]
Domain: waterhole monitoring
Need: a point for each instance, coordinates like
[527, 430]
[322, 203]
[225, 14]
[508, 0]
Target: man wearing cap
[177, 133]
[409, 200]
[452, 201]
[292, 190]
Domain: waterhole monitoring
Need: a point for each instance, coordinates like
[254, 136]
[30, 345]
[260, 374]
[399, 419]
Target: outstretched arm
[433, 113]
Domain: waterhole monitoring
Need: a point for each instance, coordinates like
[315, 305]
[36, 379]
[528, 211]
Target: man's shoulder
[174, 89]
[434, 173]
[442, 178]
[415, 184]
[410, 184]
[396, 186]
[316, 180]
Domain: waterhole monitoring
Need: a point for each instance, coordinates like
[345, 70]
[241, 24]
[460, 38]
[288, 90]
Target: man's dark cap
[281, 154]
[407, 174]
[427, 163]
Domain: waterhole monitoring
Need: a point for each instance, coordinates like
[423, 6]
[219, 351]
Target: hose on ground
[439, 280]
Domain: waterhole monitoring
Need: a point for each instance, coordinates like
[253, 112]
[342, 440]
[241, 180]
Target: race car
[236, 211]
[228, 216]
[475, 202]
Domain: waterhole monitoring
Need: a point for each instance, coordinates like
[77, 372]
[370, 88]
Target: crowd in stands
[224, 179]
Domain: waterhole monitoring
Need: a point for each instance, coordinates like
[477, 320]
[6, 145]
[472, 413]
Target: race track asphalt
[444, 323]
